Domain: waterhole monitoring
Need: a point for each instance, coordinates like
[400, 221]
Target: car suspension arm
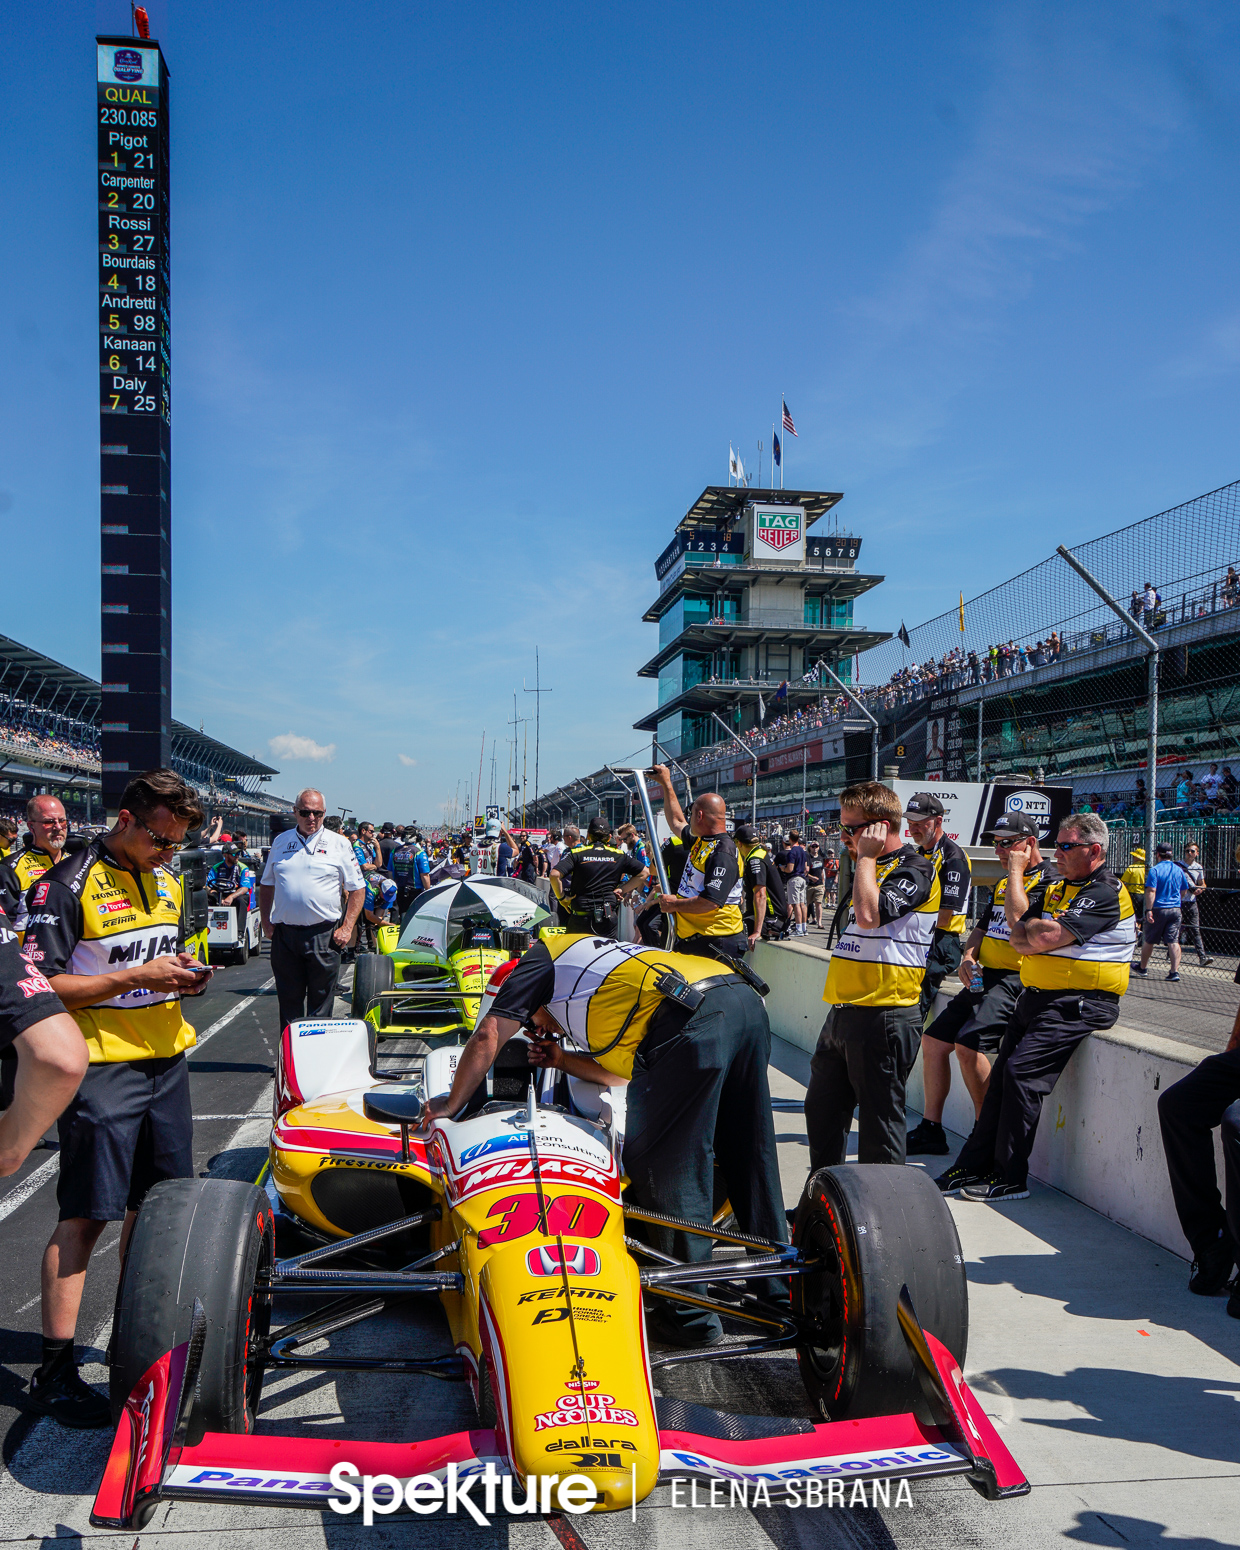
[679, 1224]
[344, 1245]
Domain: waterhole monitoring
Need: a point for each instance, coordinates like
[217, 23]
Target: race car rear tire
[876, 1228]
[373, 973]
[213, 1239]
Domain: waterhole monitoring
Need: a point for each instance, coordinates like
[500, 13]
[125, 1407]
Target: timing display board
[135, 410]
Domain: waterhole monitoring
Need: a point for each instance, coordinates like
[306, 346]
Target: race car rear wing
[153, 1459]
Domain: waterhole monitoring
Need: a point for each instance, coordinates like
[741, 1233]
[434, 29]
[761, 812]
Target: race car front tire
[875, 1228]
[210, 1239]
[373, 973]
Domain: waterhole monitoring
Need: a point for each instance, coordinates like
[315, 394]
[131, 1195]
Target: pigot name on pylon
[428, 1494]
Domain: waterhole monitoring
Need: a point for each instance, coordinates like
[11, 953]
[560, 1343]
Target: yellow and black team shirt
[591, 873]
[996, 951]
[17, 871]
[603, 994]
[89, 915]
[712, 870]
[760, 871]
[885, 966]
[955, 874]
[1099, 914]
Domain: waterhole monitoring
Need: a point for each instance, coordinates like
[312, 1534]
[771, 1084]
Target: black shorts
[129, 1126]
[26, 997]
[977, 1018]
[1164, 927]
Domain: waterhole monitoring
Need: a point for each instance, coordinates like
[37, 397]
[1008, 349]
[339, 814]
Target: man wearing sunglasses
[870, 1038]
[975, 1020]
[1074, 943]
[309, 868]
[104, 925]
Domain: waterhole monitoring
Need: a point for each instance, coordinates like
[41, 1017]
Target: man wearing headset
[691, 1040]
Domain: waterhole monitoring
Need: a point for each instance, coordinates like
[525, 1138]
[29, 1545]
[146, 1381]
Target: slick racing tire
[211, 1239]
[372, 974]
[875, 1229]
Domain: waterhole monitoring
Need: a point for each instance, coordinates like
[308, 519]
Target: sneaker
[955, 1179]
[1211, 1270]
[1205, 962]
[1137, 969]
[994, 1187]
[927, 1140]
[1174, 977]
[67, 1399]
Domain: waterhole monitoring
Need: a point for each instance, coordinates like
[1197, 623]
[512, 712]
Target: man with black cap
[765, 898]
[924, 816]
[227, 884]
[587, 882]
[1164, 883]
[975, 1020]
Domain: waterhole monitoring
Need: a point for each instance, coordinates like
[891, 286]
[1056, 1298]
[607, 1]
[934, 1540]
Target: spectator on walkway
[1187, 1115]
[308, 868]
[1164, 883]
[815, 882]
[1190, 924]
[791, 863]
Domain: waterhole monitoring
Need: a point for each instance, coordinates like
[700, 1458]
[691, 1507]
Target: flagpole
[783, 461]
[781, 456]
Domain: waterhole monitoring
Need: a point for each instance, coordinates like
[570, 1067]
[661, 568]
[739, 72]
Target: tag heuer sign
[779, 530]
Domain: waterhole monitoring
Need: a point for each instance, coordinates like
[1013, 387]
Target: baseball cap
[1012, 826]
[1162, 848]
[923, 805]
[745, 833]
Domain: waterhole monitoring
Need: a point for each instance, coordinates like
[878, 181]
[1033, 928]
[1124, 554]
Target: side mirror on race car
[394, 1106]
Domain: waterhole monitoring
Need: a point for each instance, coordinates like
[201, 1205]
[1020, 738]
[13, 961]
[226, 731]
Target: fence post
[1151, 739]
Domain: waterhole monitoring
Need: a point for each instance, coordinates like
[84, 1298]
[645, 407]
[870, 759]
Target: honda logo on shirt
[552, 1259]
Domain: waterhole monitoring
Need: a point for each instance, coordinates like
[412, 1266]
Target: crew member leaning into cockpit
[691, 1039]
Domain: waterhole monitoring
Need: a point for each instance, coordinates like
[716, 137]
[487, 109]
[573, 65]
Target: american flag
[788, 425]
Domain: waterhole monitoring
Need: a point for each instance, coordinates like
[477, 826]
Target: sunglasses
[161, 842]
[1074, 844]
[311, 812]
[856, 828]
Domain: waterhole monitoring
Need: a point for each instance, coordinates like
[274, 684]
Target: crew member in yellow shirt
[869, 1041]
[1075, 947]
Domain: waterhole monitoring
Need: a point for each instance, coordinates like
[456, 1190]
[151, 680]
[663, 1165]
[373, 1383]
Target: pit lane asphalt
[1115, 1389]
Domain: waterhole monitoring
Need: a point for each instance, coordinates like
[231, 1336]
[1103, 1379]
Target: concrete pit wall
[1098, 1139]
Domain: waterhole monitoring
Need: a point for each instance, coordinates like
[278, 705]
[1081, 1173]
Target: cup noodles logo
[600, 1409]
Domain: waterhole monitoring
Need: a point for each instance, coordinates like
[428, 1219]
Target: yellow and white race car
[513, 1216]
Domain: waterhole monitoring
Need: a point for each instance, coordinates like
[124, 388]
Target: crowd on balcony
[26, 737]
[1209, 796]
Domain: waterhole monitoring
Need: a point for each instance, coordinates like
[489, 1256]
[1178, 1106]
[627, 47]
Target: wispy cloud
[406, 760]
[287, 745]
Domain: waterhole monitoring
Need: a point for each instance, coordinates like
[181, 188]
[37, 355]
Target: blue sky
[468, 301]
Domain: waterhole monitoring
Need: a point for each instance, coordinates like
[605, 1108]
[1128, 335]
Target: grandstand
[1042, 683]
[49, 743]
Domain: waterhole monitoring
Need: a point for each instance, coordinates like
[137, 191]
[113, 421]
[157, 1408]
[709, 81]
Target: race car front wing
[152, 1458]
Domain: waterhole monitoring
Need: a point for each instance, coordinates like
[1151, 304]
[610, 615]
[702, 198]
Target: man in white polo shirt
[308, 869]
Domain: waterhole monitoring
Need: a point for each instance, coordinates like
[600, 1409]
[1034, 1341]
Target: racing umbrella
[448, 917]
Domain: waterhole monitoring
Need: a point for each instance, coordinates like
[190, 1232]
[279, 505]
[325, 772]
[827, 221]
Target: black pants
[711, 946]
[306, 965]
[862, 1062]
[1187, 1113]
[942, 959]
[1045, 1027]
[1190, 927]
[652, 926]
[698, 1097]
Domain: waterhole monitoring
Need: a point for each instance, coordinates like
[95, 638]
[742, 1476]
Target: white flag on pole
[732, 462]
[761, 708]
[740, 470]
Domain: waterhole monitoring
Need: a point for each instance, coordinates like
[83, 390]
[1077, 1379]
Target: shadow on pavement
[1113, 1528]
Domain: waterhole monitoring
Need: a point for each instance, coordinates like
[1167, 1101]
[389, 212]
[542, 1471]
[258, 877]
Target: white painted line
[30, 1185]
[224, 1021]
